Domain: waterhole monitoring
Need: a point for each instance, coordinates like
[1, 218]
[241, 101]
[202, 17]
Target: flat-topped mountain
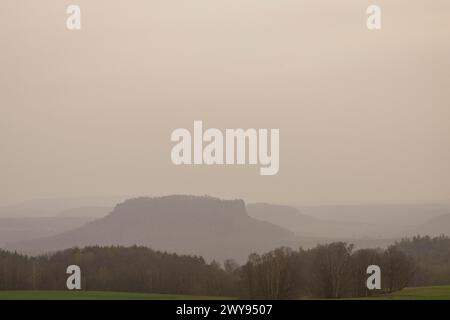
[206, 226]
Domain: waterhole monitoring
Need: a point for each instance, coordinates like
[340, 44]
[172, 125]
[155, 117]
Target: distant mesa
[206, 226]
[219, 229]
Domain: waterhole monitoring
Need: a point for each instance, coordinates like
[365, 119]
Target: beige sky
[363, 116]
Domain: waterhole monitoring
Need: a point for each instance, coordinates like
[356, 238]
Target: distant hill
[21, 229]
[18, 228]
[435, 226]
[401, 216]
[53, 207]
[92, 212]
[285, 216]
[307, 226]
[206, 226]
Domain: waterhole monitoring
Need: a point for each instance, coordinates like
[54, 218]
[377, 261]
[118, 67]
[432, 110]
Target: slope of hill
[204, 226]
[17, 227]
[281, 215]
[394, 215]
[307, 226]
[92, 212]
[53, 207]
[21, 229]
[435, 226]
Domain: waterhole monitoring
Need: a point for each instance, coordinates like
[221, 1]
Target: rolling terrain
[24, 228]
[305, 225]
[435, 226]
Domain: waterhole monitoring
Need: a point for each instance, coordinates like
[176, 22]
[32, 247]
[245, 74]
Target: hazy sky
[363, 116]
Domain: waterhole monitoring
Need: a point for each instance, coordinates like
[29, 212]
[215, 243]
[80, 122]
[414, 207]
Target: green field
[96, 295]
[417, 293]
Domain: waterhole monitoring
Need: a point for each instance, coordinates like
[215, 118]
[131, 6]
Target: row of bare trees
[333, 270]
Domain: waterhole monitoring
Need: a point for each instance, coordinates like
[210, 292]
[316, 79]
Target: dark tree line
[332, 270]
[432, 259]
[134, 269]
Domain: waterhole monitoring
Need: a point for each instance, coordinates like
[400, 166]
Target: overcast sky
[364, 117]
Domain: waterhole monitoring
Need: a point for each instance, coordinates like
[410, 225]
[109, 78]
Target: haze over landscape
[233, 229]
[363, 116]
[86, 119]
[224, 149]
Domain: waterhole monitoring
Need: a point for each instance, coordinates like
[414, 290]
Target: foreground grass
[97, 295]
[417, 293]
